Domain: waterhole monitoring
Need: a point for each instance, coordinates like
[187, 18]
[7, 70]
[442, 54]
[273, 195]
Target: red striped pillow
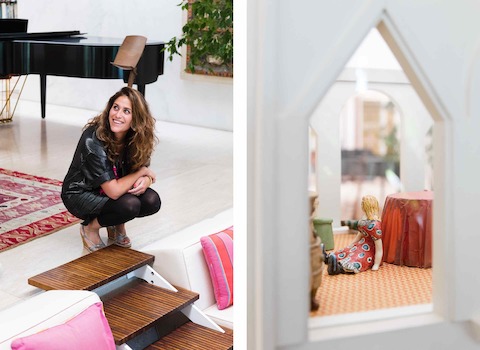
[218, 252]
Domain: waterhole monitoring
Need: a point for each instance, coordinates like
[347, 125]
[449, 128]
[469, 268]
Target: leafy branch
[208, 33]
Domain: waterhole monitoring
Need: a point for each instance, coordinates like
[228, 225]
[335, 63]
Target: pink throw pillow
[87, 330]
[218, 252]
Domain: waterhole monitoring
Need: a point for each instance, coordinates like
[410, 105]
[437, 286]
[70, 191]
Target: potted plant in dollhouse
[207, 36]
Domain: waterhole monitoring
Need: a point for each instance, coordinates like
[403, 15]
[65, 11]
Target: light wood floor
[194, 168]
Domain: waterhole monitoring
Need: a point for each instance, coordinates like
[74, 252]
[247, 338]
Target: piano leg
[43, 92]
[141, 88]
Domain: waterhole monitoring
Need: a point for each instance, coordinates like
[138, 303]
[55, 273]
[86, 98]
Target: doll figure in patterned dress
[366, 250]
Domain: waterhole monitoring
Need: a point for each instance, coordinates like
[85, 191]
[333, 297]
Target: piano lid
[39, 35]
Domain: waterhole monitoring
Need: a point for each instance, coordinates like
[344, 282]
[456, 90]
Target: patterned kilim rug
[389, 287]
[30, 207]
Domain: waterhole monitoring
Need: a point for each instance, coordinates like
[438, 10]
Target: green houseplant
[208, 36]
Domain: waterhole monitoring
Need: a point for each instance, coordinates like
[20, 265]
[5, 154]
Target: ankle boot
[332, 265]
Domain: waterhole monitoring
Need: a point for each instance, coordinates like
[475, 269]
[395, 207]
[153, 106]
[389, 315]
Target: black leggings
[128, 207]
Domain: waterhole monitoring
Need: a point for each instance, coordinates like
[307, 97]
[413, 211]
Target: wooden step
[92, 270]
[136, 307]
[192, 336]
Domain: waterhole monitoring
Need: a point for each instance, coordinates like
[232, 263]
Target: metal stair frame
[194, 314]
[149, 275]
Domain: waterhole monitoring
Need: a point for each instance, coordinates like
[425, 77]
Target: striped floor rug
[389, 287]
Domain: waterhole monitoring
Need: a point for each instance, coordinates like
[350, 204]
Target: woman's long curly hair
[140, 140]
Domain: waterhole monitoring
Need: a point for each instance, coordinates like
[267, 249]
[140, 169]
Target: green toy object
[323, 229]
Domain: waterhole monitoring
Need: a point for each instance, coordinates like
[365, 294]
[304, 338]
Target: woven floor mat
[391, 286]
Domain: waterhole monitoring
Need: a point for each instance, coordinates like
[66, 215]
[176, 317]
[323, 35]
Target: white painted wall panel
[440, 42]
[204, 102]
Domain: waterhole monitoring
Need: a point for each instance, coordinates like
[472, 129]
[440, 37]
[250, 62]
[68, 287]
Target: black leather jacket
[90, 168]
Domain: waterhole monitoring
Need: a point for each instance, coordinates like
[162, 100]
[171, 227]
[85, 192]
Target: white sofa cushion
[179, 259]
[42, 311]
[221, 317]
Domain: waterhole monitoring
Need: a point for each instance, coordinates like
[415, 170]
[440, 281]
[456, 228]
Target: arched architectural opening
[371, 135]
[370, 130]
[284, 101]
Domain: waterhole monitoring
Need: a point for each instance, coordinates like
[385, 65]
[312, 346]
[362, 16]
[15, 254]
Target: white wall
[383, 73]
[204, 102]
[373, 53]
[437, 43]
[325, 120]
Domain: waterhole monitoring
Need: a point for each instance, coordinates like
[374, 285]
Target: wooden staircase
[143, 310]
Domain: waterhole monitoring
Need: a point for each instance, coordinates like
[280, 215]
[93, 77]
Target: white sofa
[179, 259]
[41, 312]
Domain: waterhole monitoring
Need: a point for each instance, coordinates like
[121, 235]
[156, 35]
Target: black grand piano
[73, 54]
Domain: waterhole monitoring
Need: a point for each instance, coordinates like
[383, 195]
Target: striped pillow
[218, 252]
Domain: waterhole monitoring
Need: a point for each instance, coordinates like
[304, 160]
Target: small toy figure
[366, 250]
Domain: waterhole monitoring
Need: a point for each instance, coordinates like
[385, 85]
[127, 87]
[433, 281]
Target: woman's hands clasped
[143, 182]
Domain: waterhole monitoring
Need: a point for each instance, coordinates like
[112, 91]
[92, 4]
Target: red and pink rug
[30, 207]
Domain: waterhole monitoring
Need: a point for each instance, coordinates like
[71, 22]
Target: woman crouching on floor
[108, 182]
